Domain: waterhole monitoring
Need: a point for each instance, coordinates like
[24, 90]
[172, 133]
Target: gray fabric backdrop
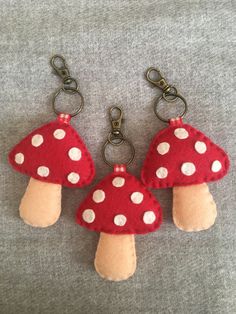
[108, 46]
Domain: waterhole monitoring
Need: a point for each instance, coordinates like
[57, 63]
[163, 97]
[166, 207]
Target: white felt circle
[181, 133]
[162, 173]
[120, 220]
[59, 134]
[188, 168]
[149, 217]
[43, 171]
[99, 196]
[74, 153]
[137, 197]
[37, 140]
[163, 148]
[200, 147]
[19, 158]
[216, 166]
[73, 177]
[88, 215]
[118, 182]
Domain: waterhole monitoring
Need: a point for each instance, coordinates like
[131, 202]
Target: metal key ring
[172, 90]
[114, 137]
[163, 96]
[67, 82]
[69, 90]
[110, 143]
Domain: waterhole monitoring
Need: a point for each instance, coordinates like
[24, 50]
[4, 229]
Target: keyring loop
[110, 143]
[114, 137]
[163, 96]
[67, 82]
[169, 93]
[70, 90]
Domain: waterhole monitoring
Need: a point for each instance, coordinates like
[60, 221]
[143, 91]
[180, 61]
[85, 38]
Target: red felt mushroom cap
[120, 204]
[54, 153]
[180, 155]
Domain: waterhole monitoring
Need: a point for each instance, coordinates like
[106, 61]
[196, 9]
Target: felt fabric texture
[193, 207]
[181, 151]
[49, 147]
[108, 46]
[41, 203]
[116, 256]
[123, 206]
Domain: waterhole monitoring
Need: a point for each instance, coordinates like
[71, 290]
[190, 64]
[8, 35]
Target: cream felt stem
[193, 207]
[115, 257]
[41, 203]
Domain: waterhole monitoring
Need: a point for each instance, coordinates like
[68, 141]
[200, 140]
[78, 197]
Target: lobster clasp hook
[116, 116]
[159, 81]
[62, 69]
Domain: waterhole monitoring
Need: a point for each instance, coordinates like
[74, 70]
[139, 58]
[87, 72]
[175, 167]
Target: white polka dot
[43, 171]
[73, 177]
[162, 173]
[163, 148]
[37, 140]
[181, 133]
[74, 153]
[216, 166]
[99, 196]
[118, 182]
[188, 168]
[59, 134]
[137, 197]
[149, 217]
[88, 215]
[200, 147]
[19, 158]
[120, 220]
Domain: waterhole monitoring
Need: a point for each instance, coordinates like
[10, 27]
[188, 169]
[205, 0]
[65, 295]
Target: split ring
[108, 142]
[68, 90]
[175, 96]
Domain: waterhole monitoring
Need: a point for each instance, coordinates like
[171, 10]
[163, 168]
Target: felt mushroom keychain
[53, 156]
[182, 157]
[118, 207]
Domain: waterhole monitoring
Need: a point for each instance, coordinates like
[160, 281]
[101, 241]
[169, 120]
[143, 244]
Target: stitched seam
[39, 225]
[63, 182]
[181, 226]
[155, 203]
[133, 255]
[158, 184]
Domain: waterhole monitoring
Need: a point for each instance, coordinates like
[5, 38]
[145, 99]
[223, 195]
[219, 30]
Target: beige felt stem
[41, 203]
[115, 257]
[193, 207]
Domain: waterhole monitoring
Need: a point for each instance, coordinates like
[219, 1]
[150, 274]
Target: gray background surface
[108, 46]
